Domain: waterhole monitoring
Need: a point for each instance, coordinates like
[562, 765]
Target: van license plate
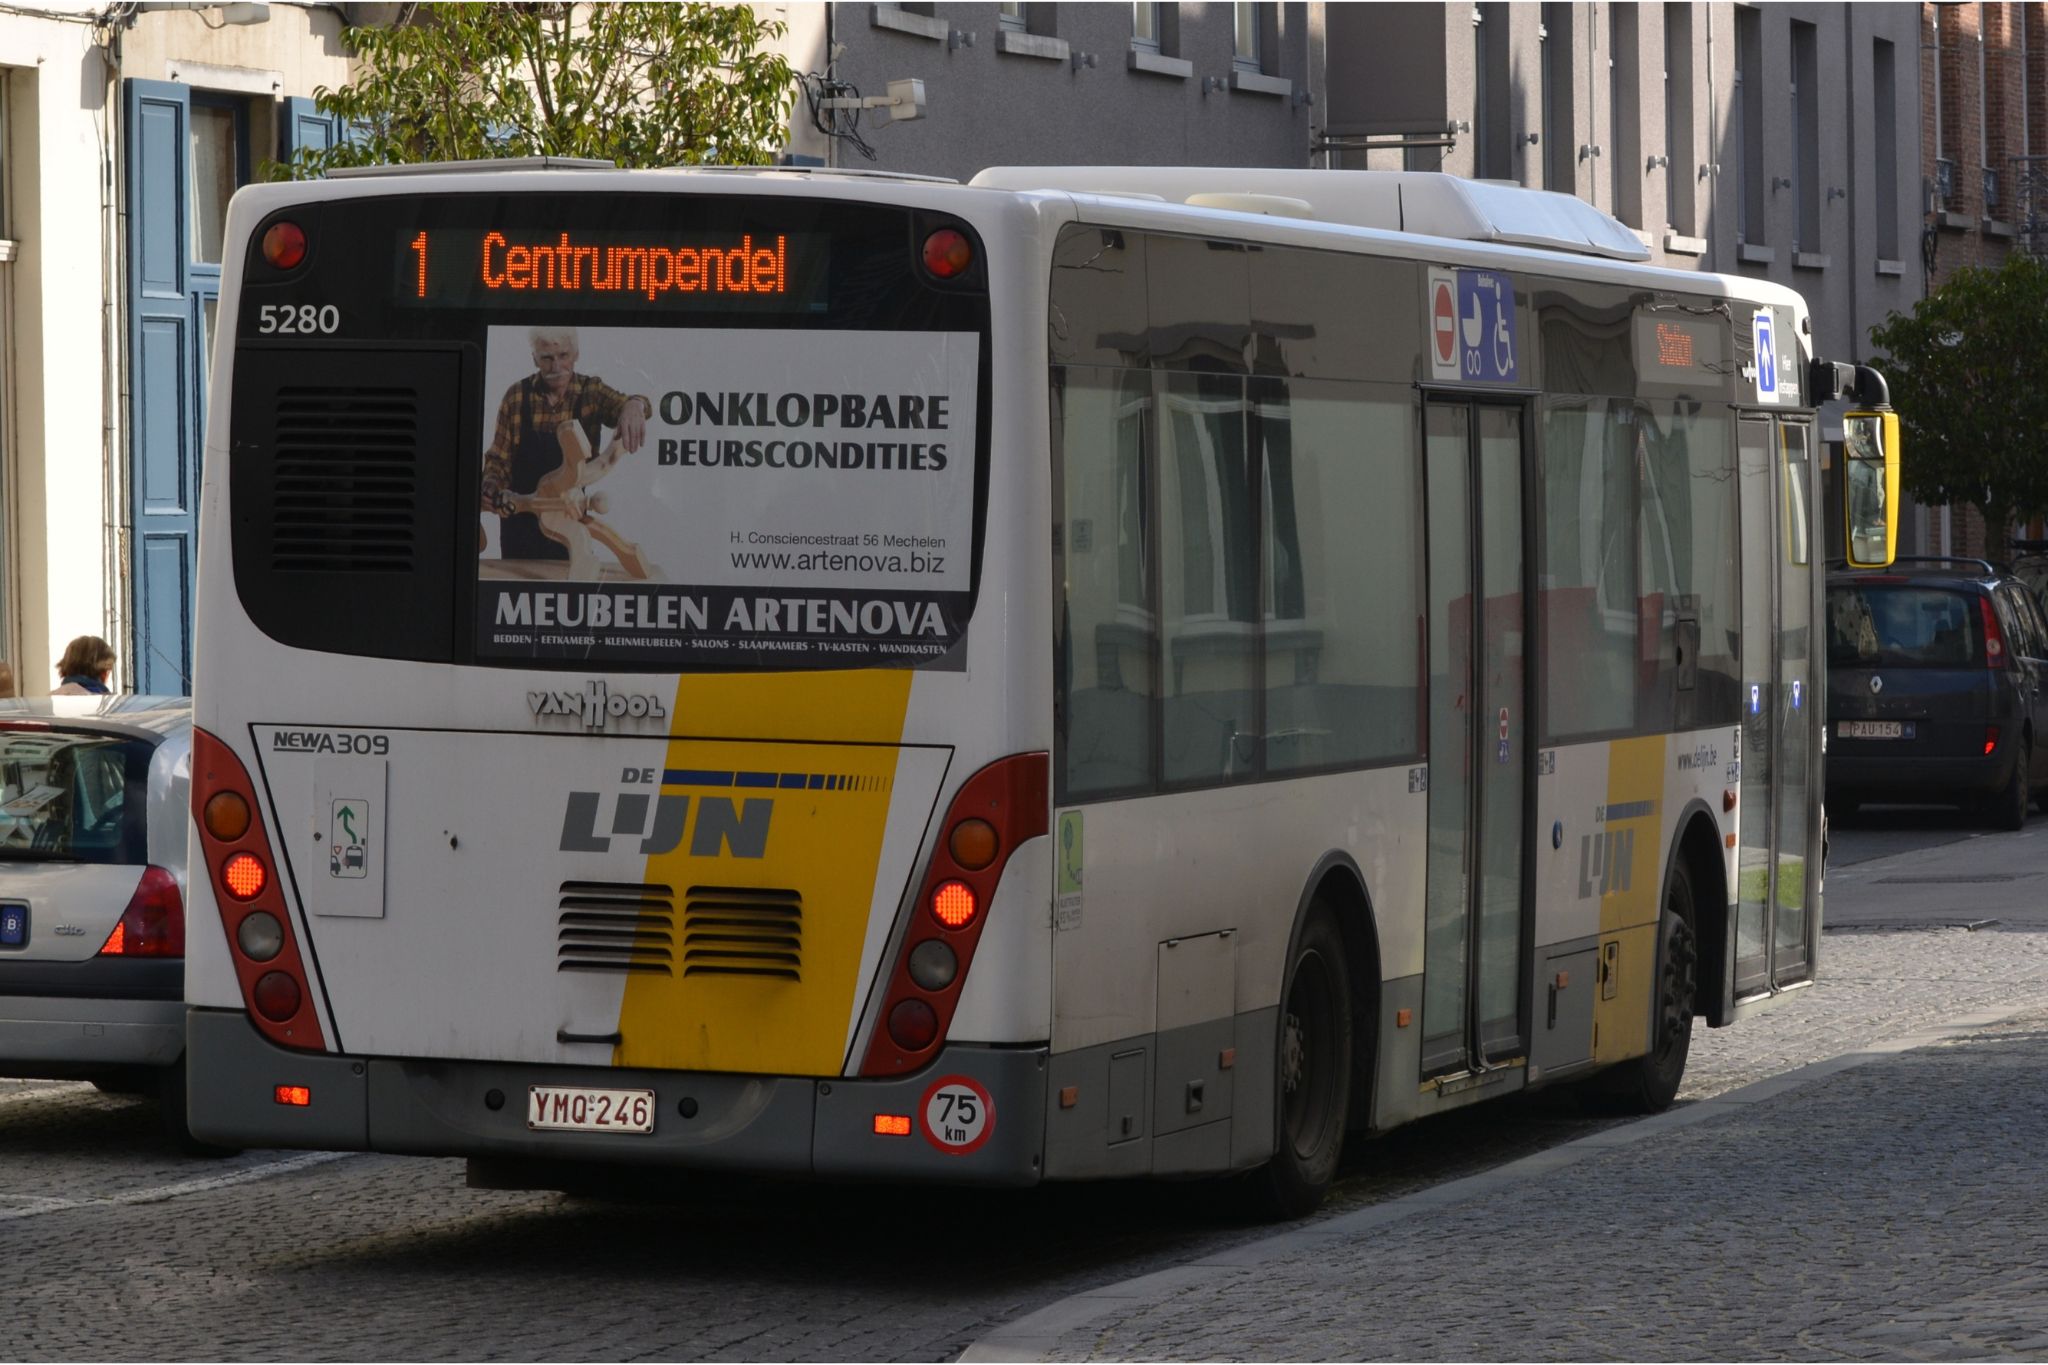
[578, 1110]
[1876, 729]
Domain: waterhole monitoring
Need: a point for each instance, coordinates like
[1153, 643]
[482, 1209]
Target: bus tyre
[1648, 1084]
[1312, 1075]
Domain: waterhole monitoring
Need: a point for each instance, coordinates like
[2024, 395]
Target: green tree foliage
[1968, 370]
[639, 84]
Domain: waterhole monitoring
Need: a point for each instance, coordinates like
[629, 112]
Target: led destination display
[489, 267]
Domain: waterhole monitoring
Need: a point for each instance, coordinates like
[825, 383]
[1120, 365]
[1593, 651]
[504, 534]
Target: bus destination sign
[488, 267]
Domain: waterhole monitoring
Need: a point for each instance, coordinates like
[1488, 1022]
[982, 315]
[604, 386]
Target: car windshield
[1883, 626]
[71, 797]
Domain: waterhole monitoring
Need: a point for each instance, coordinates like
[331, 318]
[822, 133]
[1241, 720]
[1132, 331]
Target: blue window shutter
[303, 125]
[163, 414]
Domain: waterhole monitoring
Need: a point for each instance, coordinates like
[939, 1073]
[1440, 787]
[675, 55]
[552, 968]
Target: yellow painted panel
[1632, 821]
[824, 844]
[1621, 1016]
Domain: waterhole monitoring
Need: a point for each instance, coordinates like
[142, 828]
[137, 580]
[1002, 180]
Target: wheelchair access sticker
[958, 1115]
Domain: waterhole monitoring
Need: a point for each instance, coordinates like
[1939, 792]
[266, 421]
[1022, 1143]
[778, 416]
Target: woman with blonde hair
[87, 663]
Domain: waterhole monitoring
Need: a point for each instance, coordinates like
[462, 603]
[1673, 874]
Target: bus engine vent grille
[345, 479]
[743, 931]
[619, 927]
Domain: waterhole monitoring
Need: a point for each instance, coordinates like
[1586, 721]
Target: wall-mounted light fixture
[1656, 163]
[955, 38]
[1780, 182]
[1587, 151]
[1077, 60]
[1836, 192]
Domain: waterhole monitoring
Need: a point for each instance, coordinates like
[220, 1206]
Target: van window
[1877, 626]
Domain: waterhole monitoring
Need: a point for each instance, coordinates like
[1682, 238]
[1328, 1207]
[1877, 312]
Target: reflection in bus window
[1588, 581]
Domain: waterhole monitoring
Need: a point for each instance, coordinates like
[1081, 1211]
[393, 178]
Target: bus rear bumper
[779, 1125]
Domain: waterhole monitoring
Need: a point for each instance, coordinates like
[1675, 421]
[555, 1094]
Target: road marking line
[159, 1193]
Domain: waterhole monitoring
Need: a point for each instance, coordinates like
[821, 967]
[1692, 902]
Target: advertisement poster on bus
[726, 498]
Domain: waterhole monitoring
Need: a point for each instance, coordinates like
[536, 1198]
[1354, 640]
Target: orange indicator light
[953, 905]
[244, 876]
[1401, 1018]
[892, 1125]
[298, 1096]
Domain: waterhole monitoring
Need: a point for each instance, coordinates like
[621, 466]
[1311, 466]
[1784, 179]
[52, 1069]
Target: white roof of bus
[1479, 223]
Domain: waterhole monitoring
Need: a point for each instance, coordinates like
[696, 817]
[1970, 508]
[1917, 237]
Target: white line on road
[159, 1193]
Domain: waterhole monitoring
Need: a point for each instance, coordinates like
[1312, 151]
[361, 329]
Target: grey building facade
[1778, 141]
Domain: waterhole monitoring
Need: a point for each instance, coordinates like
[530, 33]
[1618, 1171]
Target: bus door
[1478, 737]
[1776, 898]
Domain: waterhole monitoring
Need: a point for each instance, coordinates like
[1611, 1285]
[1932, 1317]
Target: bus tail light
[1010, 802]
[237, 854]
[1994, 638]
[947, 253]
[153, 925]
[284, 245]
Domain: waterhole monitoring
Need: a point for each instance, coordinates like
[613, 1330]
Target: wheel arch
[1698, 843]
[1337, 882]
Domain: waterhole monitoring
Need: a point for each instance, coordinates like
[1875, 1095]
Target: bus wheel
[1312, 1075]
[1649, 1084]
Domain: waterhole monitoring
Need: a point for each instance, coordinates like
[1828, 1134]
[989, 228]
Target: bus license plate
[579, 1110]
[1876, 729]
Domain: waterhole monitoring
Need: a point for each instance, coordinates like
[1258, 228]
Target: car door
[2030, 657]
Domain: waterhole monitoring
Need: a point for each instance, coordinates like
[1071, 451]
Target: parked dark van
[1936, 670]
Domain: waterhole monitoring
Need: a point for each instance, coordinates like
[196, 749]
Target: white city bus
[1090, 673]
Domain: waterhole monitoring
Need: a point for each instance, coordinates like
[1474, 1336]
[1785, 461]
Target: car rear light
[1994, 638]
[1012, 798]
[296, 1095]
[284, 245]
[892, 1125]
[1990, 738]
[153, 925]
[265, 952]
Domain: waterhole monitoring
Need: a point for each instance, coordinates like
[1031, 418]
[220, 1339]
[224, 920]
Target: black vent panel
[625, 928]
[345, 480]
[743, 931]
[345, 466]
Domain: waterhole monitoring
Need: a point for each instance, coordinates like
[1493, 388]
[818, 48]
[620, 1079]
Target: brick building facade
[1984, 146]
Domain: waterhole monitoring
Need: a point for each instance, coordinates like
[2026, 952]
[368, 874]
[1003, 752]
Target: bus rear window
[656, 432]
[71, 797]
[1902, 627]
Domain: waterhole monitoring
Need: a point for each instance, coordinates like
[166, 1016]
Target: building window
[1010, 14]
[1492, 148]
[1806, 135]
[1885, 117]
[1145, 26]
[1255, 23]
[1678, 136]
[1624, 114]
[1559, 141]
[1748, 116]
[220, 166]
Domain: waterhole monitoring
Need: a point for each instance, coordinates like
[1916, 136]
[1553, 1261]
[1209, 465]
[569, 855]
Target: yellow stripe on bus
[744, 994]
[1633, 824]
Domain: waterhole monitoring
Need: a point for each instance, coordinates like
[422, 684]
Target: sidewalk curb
[1033, 1336]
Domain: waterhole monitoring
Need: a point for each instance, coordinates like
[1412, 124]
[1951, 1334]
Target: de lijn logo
[723, 827]
[597, 705]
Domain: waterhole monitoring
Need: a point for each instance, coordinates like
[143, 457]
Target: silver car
[94, 793]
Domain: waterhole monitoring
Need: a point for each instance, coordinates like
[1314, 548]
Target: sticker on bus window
[726, 497]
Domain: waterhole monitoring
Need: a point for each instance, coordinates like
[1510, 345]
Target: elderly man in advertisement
[545, 453]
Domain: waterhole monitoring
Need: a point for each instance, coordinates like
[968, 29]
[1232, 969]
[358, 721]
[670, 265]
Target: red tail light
[153, 925]
[274, 988]
[1994, 638]
[1990, 738]
[1010, 800]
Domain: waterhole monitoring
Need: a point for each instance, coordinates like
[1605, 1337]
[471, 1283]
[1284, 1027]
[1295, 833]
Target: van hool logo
[597, 705]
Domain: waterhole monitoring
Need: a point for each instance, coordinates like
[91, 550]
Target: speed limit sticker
[958, 1115]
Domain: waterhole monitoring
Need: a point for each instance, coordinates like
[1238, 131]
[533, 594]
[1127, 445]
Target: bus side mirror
[1870, 487]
